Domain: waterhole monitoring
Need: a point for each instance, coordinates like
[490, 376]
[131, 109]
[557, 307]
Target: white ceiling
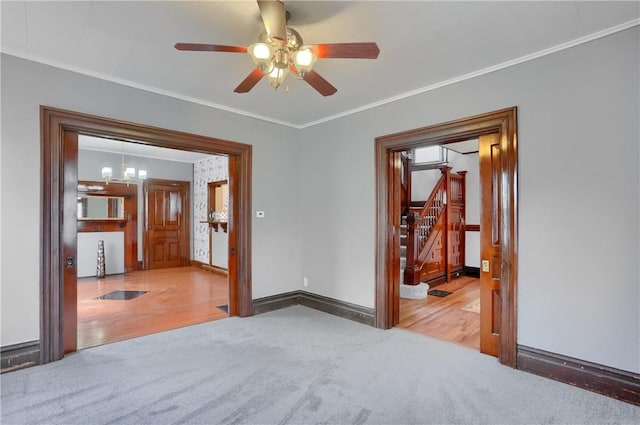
[467, 146]
[92, 143]
[423, 44]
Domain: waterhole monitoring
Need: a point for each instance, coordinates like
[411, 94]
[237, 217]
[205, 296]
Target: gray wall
[27, 85]
[579, 289]
[578, 248]
[90, 165]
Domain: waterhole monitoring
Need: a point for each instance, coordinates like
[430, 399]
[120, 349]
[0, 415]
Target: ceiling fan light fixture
[281, 50]
[277, 76]
[281, 58]
[303, 60]
[261, 54]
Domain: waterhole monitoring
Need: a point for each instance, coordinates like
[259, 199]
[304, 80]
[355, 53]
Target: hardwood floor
[176, 297]
[443, 318]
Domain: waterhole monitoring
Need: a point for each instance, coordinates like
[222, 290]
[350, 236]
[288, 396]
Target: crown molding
[431, 87]
[144, 87]
[484, 71]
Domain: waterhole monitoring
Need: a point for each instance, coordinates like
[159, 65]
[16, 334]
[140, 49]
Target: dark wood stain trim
[275, 302]
[502, 122]
[20, 356]
[611, 382]
[317, 302]
[209, 268]
[472, 271]
[70, 241]
[54, 124]
[51, 152]
[472, 227]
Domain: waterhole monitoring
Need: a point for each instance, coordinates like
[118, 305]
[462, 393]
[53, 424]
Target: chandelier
[127, 174]
[276, 58]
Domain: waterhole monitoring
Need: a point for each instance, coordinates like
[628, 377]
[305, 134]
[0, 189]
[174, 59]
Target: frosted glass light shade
[303, 60]
[276, 76]
[261, 54]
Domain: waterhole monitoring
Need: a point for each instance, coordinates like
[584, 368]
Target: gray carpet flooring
[293, 366]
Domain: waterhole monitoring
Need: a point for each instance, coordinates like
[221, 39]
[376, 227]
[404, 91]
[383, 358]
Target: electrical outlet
[305, 281]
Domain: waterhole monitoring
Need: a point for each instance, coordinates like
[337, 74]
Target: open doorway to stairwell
[497, 140]
[440, 242]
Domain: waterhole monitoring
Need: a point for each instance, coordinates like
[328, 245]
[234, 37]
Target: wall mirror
[100, 207]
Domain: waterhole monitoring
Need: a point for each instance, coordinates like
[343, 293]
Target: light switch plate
[485, 265]
[259, 214]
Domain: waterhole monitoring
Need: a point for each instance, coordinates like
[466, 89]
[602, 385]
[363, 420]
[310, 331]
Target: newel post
[410, 277]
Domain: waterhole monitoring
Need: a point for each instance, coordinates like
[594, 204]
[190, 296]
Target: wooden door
[490, 243]
[166, 224]
[69, 243]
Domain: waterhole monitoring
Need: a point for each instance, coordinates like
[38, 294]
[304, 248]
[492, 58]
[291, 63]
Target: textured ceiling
[423, 45]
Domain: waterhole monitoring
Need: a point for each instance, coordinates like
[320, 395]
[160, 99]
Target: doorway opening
[500, 131]
[59, 142]
[440, 243]
[154, 241]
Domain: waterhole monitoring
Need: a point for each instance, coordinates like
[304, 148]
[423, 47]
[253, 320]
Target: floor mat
[121, 295]
[439, 293]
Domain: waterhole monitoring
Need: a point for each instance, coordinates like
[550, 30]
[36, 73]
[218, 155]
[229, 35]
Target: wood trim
[275, 302]
[472, 271]
[472, 227]
[209, 268]
[616, 383]
[20, 356]
[70, 241]
[337, 308]
[386, 147]
[317, 302]
[54, 124]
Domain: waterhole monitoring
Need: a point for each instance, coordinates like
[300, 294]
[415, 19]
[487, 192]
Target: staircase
[430, 237]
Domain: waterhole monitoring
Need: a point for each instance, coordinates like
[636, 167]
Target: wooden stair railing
[419, 226]
[435, 232]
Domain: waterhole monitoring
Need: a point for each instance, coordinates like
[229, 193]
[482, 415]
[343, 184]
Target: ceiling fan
[281, 51]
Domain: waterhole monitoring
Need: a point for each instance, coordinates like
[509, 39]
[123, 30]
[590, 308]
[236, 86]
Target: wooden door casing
[166, 224]
[55, 197]
[490, 243]
[503, 122]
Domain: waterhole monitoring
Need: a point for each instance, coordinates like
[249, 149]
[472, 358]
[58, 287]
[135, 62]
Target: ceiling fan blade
[347, 50]
[274, 18]
[248, 83]
[196, 47]
[321, 85]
